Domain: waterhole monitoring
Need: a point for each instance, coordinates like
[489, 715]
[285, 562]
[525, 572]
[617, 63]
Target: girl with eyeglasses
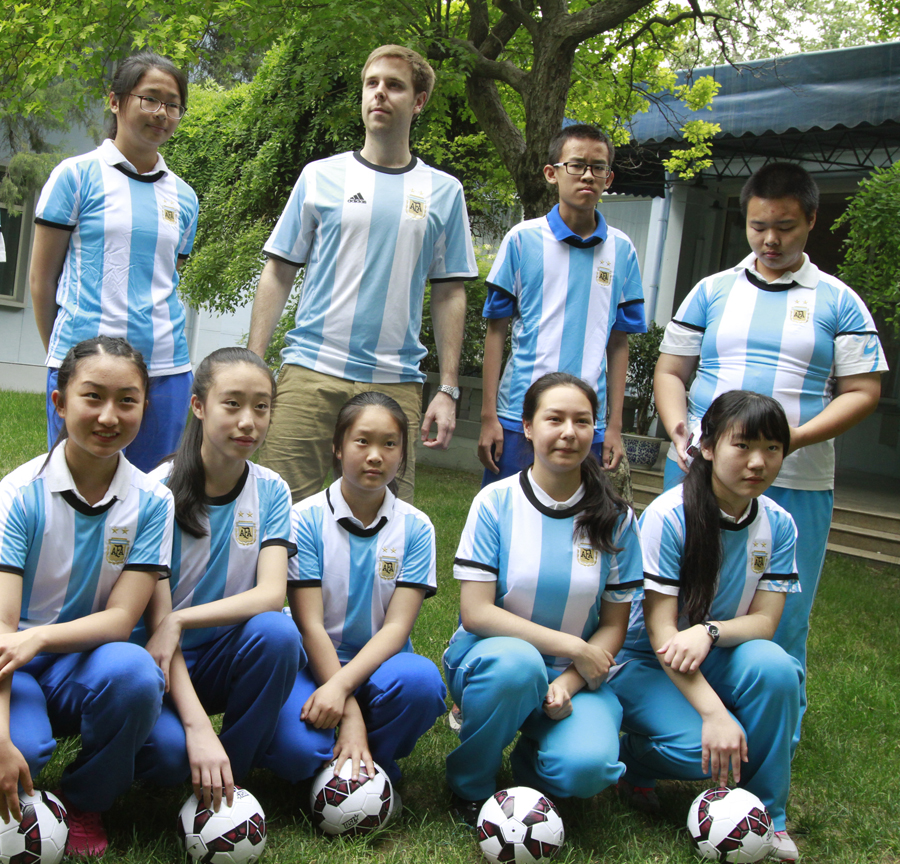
[113, 227]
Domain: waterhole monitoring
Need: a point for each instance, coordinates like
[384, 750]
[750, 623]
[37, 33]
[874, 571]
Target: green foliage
[25, 174]
[643, 352]
[871, 252]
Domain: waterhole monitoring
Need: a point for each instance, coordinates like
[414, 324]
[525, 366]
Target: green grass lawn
[845, 801]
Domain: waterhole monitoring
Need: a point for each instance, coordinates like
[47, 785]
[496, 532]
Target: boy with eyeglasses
[571, 285]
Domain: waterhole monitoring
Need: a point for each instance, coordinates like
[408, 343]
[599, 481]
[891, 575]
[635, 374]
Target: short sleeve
[505, 272]
[626, 577]
[498, 303]
[14, 534]
[478, 555]
[419, 559]
[630, 308]
[662, 545]
[60, 199]
[277, 528]
[305, 568]
[152, 547]
[857, 348]
[190, 209]
[453, 256]
[630, 317]
[781, 574]
[292, 237]
[684, 333]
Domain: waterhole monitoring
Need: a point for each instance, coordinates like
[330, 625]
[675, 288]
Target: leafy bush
[643, 352]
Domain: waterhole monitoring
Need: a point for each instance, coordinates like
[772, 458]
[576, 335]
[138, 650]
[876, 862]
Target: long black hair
[187, 480]
[99, 345]
[130, 71]
[351, 409]
[752, 416]
[602, 504]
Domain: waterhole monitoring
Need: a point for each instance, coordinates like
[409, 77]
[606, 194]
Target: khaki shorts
[298, 445]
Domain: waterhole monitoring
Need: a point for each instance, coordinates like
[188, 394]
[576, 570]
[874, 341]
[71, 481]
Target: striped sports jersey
[255, 514]
[356, 567]
[785, 340]
[70, 554]
[564, 294]
[518, 537]
[369, 237]
[758, 553]
[119, 276]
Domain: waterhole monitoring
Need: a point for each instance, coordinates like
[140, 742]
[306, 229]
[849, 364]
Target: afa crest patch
[169, 212]
[117, 550]
[245, 533]
[587, 555]
[604, 277]
[799, 314]
[388, 567]
[759, 557]
[416, 207]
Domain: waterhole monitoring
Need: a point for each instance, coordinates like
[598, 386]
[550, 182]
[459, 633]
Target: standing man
[777, 325]
[371, 226]
[571, 285]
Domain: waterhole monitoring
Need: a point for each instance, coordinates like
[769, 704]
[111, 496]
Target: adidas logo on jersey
[356, 199]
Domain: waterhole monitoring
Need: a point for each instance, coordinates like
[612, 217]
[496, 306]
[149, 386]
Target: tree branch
[519, 15]
[503, 71]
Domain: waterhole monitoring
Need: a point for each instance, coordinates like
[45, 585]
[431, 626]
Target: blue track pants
[400, 702]
[759, 684]
[111, 696]
[500, 684]
[247, 674]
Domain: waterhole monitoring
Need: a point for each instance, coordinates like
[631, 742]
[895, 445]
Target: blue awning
[844, 88]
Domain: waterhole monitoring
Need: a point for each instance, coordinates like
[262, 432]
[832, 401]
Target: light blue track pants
[247, 674]
[500, 684]
[759, 684]
[400, 702]
[812, 514]
[111, 696]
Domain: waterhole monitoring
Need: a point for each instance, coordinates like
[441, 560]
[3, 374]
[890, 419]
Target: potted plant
[643, 352]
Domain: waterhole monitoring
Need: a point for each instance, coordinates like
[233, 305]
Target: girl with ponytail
[216, 628]
[549, 563]
[702, 686]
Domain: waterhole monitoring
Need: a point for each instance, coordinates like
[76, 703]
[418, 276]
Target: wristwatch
[712, 630]
[452, 392]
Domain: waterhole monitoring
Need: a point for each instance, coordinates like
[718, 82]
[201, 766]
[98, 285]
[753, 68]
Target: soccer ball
[40, 838]
[730, 825]
[521, 825]
[234, 835]
[352, 807]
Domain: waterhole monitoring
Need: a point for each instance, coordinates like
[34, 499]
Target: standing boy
[371, 226]
[777, 325]
[572, 287]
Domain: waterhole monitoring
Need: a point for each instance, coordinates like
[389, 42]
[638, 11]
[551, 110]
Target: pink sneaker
[87, 836]
[785, 849]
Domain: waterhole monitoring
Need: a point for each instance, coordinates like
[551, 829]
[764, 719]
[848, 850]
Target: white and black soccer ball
[40, 838]
[519, 824]
[341, 805]
[234, 835]
[730, 825]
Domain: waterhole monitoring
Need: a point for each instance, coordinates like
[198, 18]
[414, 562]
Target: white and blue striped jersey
[70, 554]
[128, 231]
[565, 294]
[358, 568]
[758, 554]
[518, 537]
[369, 237]
[787, 339]
[255, 514]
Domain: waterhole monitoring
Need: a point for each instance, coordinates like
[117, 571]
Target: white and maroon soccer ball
[234, 835]
[341, 805]
[519, 824]
[40, 838]
[730, 825]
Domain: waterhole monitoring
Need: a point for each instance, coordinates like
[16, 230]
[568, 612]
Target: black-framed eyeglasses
[578, 169]
[150, 104]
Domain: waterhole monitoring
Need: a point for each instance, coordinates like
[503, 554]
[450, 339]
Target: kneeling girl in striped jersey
[365, 562]
[84, 536]
[549, 562]
[702, 685]
[216, 630]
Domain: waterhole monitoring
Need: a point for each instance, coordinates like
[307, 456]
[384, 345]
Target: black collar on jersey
[727, 525]
[755, 279]
[568, 513]
[143, 178]
[349, 525]
[228, 497]
[359, 158]
[83, 508]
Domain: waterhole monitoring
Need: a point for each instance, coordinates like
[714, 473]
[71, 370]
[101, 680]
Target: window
[11, 230]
